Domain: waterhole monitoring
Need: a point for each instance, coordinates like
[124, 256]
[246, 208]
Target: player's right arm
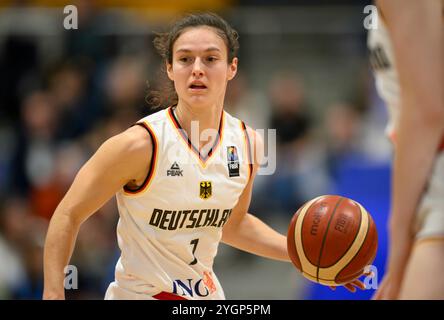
[121, 160]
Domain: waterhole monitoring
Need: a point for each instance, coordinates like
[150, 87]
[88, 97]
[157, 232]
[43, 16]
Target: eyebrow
[206, 50]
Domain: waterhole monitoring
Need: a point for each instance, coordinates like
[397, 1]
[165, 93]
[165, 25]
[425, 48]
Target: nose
[197, 68]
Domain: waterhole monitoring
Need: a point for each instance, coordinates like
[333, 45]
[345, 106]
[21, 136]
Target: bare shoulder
[257, 144]
[136, 141]
[256, 138]
[123, 159]
[128, 153]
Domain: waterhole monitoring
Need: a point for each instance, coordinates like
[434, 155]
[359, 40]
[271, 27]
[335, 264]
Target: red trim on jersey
[441, 147]
[182, 133]
[153, 162]
[168, 296]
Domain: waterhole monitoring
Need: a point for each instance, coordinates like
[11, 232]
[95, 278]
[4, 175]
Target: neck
[198, 120]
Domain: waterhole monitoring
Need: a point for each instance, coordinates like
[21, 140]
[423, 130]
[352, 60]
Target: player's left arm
[246, 232]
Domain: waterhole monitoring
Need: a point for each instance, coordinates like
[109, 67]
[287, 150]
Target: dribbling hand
[352, 285]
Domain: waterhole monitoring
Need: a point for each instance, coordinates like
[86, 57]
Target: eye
[211, 59]
[184, 59]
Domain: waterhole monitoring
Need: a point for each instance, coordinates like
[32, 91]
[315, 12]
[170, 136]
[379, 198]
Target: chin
[198, 101]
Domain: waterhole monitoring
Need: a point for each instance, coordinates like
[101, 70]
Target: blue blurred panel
[370, 186]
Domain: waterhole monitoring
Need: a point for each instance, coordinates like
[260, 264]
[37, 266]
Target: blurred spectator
[87, 41]
[21, 238]
[12, 271]
[344, 146]
[91, 261]
[290, 115]
[32, 163]
[12, 228]
[18, 63]
[7, 144]
[76, 107]
[246, 103]
[299, 173]
[124, 90]
[69, 158]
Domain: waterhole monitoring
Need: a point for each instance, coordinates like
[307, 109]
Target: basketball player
[407, 55]
[177, 196]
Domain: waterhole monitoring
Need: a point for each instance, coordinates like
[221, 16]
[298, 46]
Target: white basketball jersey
[170, 228]
[382, 61]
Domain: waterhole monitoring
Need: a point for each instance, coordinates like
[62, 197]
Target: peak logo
[175, 170]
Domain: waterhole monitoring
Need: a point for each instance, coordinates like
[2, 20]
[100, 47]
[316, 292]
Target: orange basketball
[331, 239]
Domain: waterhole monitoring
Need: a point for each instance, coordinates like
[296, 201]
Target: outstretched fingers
[351, 286]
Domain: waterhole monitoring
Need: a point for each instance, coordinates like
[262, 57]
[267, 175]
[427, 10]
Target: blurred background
[303, 70]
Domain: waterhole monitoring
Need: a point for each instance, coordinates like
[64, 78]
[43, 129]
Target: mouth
[197, 86]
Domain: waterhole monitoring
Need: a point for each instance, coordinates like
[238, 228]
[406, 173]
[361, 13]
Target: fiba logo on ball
[332, 240]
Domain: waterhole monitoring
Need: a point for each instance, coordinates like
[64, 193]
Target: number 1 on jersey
[194, 242]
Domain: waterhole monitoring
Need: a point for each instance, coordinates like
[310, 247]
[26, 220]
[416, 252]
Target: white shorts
[430, 216]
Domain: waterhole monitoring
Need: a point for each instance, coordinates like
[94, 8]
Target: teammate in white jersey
[178, 196]
[407, 55]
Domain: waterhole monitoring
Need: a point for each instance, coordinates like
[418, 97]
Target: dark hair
[164, 42]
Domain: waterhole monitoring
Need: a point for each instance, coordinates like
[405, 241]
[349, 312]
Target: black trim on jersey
[250, 159]
[186, 138]
[153, 161]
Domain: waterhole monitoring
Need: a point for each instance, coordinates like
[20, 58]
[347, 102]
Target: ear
[169, 70]
[232, 69]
